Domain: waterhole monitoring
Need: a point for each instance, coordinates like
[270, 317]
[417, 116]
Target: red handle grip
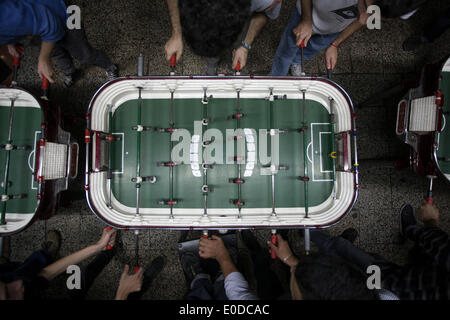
[173, 60]
[109, 247]
[274, 241]
[16, 62]
[430, 200]
[238, 66]
[136, 269]
[302, 44]
[44, 83]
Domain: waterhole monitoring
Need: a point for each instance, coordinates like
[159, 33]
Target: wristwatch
[246, 46]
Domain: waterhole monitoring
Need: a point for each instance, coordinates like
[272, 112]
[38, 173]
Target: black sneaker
[70, 79]
[192, 265]
[211, 66]
[52, 243]
[112, 72]
[350, 234]
[407, 219]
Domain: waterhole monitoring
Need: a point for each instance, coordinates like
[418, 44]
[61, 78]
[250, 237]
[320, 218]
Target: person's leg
[219, 288]
[343, 248]
[63, 59]
[201, 288]
[316, 44]
[77, 44]
[287, 48]
[151, 272]
[91, 272]
[268, 284]
[431, 242]
[30, 268]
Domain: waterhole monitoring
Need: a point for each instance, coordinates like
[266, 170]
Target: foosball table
[422, 123]
[37, 157]
[220, 153]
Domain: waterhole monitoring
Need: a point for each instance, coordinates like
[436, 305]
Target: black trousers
[91, 272]
[75, 44]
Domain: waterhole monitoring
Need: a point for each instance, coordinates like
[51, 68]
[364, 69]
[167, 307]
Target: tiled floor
[370, 63]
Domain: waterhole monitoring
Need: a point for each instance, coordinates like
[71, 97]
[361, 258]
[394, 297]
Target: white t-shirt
[270, 7]
[331, 16]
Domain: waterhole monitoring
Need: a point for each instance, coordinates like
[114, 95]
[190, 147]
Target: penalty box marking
[320, 150]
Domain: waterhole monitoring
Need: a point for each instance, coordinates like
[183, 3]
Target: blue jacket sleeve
[21, 18]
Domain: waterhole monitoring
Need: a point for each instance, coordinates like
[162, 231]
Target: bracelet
[246, 46]
[286, 259]
[333, 45]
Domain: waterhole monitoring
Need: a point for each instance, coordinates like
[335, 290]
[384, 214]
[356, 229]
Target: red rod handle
[238, 66]
[274, 241]
[44, 83]
[430, 201]
[302, 44]
[16, 62]
[136, 269]
[173, 60]
[109, 247]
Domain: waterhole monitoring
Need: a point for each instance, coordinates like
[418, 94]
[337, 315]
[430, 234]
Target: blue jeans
[203, 289]
[288, 52]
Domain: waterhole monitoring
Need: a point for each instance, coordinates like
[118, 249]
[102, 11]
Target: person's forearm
[257, 23]
[174, 14]
[347, 32]
[227, 266]
[306, 10]
[61, 265]
[46, 50]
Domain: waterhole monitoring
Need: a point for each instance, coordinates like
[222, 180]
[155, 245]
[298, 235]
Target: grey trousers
[75, 44]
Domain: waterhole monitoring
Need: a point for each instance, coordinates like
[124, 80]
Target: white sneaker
[296, 70]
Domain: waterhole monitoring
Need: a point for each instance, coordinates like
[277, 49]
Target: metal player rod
[333, 151]
[238, 125]
[7, 164]
[271, 126]
[430, 189]
[109, 174]
[138, 153]
[171, 124]
[305, 150]
[205, 169]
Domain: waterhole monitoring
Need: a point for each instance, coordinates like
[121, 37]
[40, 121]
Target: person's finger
[216, 238]
[49, 76]
[272, 246]
[126, 268]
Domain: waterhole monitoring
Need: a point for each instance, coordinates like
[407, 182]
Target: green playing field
[256, 191]
[444, 139]
[26, 128]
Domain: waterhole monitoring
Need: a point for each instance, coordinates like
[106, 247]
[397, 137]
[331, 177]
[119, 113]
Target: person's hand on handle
[303, 32]
[45, 69]
[174, 46]
[129, 283]
[429, 214]
[107, 240]
[283, 252]
[213, 249]
[15, 50]
[239, 55]
[331, 57]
